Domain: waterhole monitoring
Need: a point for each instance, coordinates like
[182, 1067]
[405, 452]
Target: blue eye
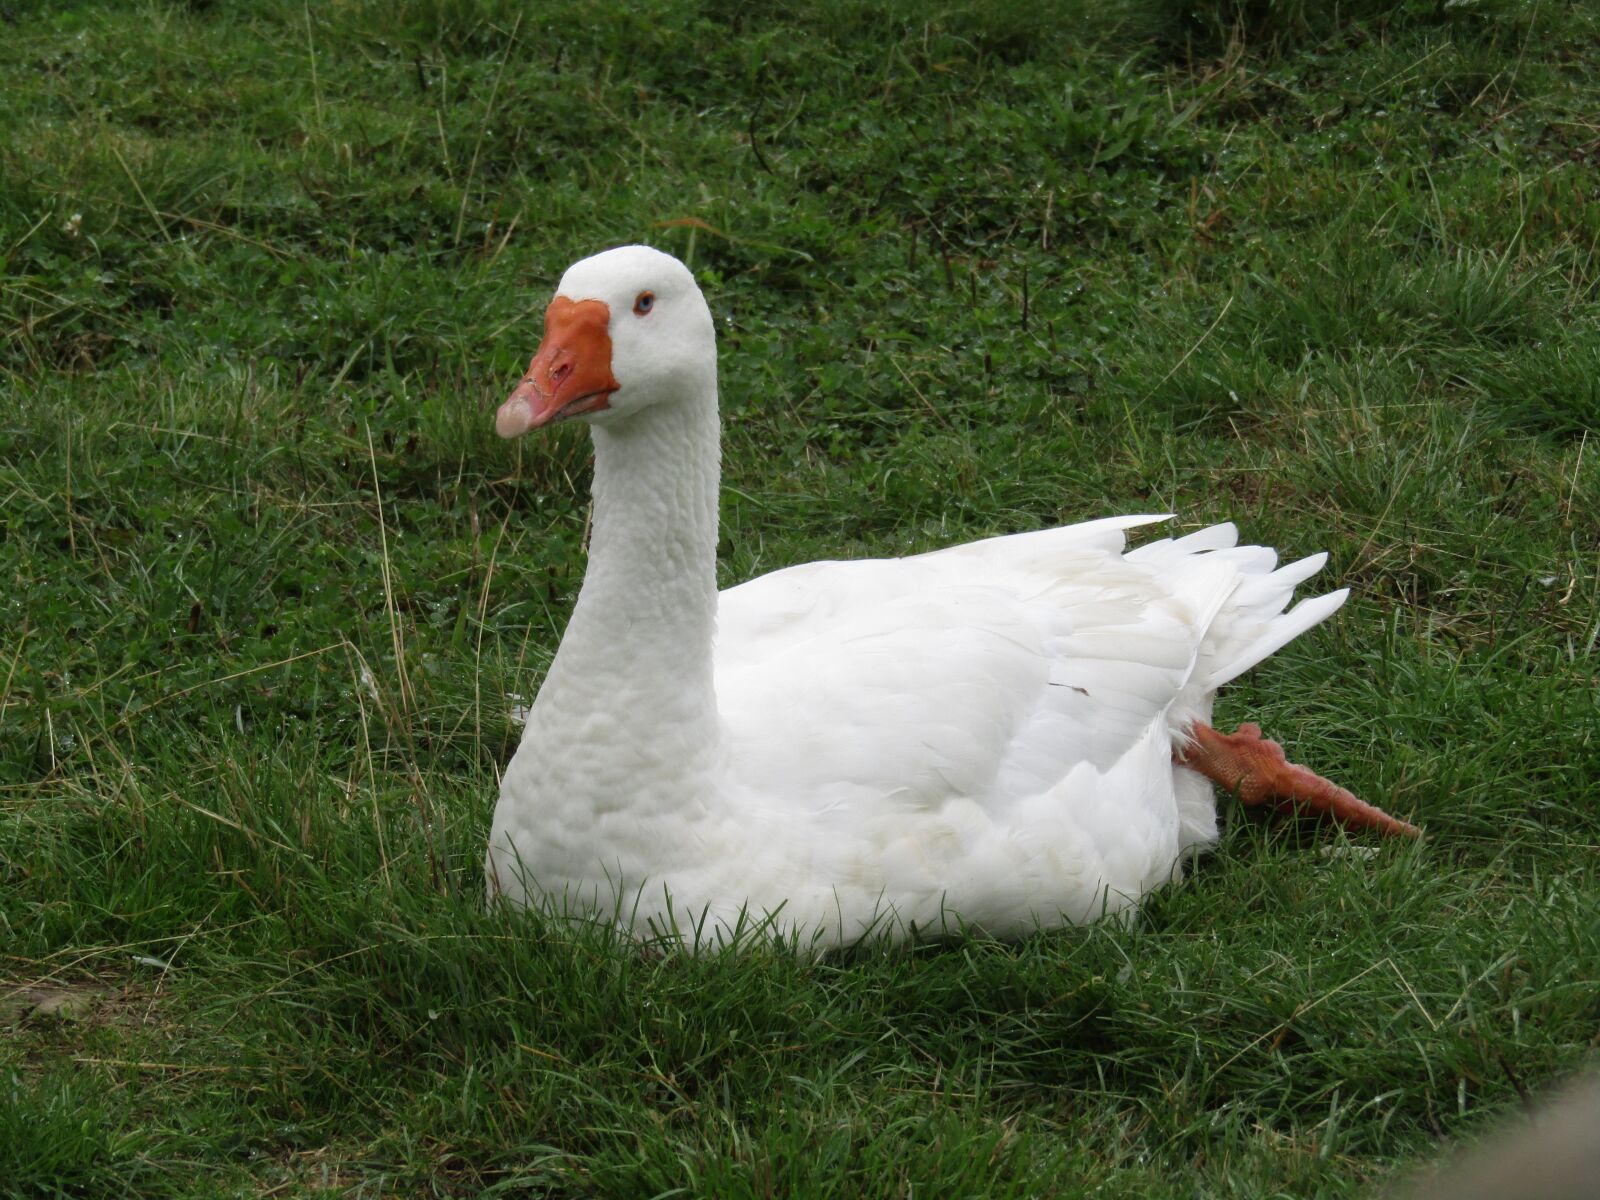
[644, 303]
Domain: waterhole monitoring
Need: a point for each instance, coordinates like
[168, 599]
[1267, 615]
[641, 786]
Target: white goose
[1010, 733]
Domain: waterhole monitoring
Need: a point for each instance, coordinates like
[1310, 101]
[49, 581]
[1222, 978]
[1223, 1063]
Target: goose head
[628, 328]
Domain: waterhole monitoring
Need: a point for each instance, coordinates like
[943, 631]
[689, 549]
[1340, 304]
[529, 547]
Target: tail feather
[1277, 632]
[1213, 537]
[1294, 574]
[1245, 620]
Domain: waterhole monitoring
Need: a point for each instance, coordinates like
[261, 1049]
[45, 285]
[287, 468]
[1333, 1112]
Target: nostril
[559, 373]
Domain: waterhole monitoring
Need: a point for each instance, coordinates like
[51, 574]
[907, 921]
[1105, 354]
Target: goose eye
[643, 303]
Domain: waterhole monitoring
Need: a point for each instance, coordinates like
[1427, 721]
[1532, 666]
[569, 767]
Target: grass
[269, 578]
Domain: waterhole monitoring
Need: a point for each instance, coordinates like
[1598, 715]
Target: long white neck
[627, 717]
[653, 549]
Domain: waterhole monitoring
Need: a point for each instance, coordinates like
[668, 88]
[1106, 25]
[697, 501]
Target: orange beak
[570, 374]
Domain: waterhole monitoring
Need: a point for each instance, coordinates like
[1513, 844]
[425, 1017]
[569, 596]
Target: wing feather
[986, 672]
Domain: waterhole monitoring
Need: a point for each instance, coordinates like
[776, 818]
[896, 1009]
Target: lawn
[271, 583]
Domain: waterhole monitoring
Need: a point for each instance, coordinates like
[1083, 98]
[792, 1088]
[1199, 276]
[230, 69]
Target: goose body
[987, 734]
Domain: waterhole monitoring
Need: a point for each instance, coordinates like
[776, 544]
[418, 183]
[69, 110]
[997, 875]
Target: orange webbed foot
[1256, 770]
